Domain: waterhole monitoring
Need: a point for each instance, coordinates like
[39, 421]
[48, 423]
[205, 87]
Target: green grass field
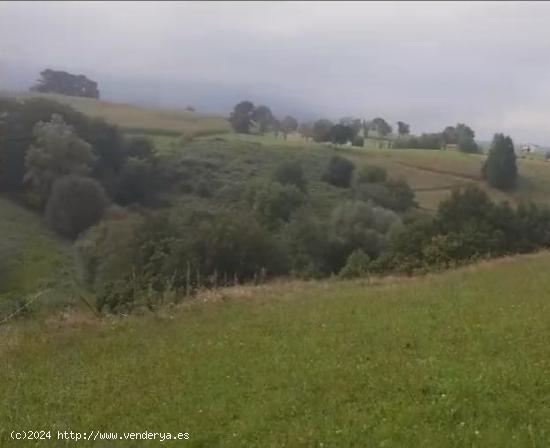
[455, 359]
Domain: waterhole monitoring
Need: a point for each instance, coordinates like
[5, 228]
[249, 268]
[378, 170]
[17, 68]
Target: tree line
[500, 169]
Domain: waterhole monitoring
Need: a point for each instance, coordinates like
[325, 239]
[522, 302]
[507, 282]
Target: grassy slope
[433, 174]
[137, 118]
[33, 258]
[456, 359]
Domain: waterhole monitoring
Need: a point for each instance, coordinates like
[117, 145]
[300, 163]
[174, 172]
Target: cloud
[427, 63]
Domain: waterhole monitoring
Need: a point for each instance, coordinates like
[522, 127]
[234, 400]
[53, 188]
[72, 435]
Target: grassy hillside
[456, 359]
[432, 174]
[143, 119]
[33, 259]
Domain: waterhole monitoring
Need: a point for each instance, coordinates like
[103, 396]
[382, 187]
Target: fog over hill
[429, 64]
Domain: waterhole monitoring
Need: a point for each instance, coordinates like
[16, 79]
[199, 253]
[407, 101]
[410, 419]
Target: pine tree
[500, 169]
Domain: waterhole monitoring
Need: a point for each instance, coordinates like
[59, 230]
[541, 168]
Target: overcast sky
[430, 64]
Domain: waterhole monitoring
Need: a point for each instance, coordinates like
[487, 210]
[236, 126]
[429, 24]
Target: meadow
[457, 358]
[138, 119]
[453, 359]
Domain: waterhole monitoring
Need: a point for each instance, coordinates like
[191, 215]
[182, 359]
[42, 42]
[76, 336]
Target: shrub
[139, 147]
[357, 265]
[290, 172]
[392, 194]
[142, 261]
[273, 202]
[358, 225]
[339, 172]
[75, 204]
[424, 141]
[401, 195]
[305, 238]
[370, 174]
[135, 182]
[358, 140]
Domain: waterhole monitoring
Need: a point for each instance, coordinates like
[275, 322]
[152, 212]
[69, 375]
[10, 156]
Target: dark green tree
[500, 169]
[75, 204]
[241, 117]
[339, 172]
[403, 128]
[341, 134]
[273, 202]
[381, 126]
[288, 125]
[58, 81]
[449, 135]
[264, 118]
[57, 152]
[321, 130]
[465, 138]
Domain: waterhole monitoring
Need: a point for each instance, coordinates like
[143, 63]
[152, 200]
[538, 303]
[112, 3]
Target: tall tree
[263, 117]
[321, 130]
[306, 130]
[449, 135]
[465, 140]
[381, 126]
[288, 125]
[241, 117]
[403, 128]
[500, 169]
[354, 123]
[58, 81]
[341, 134]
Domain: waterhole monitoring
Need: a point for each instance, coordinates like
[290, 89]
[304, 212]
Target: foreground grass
[457, 359]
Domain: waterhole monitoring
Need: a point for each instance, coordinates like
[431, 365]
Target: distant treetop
[57, 81]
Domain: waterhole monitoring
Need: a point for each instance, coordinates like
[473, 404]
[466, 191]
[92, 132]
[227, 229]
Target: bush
[305, 238]
[370, 174]
[424, 141]
[291, 172]
[75, 204]
[135, 182]
[273, 202]
[134, 262]
[393, 194]
[358, 225]
[339, 172]
[139, 147]
[357, 265]
[358, 141]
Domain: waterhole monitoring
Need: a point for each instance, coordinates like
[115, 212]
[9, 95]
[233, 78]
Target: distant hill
[140, 119]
